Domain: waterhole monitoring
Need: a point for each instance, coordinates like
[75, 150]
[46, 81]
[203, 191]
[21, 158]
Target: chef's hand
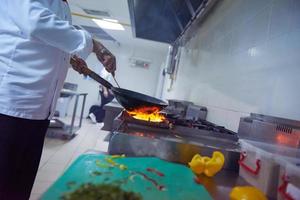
[105, 92]
[79, 65]
[105, 56]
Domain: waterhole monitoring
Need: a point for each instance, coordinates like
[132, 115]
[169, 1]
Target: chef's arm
[104, 56]
[35, 20]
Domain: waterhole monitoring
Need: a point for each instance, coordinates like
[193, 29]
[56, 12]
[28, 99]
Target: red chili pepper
[159, 187]
[155, 171]
[197, 180]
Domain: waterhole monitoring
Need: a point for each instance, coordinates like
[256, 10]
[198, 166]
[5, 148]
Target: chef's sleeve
[36, 20]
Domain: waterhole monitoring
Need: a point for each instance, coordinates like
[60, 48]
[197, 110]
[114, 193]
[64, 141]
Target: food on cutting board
[99, 177]
[90, 191]
[246, 193]
[209, 166]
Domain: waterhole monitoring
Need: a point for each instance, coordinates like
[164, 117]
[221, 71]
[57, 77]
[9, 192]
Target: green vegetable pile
[91, 191]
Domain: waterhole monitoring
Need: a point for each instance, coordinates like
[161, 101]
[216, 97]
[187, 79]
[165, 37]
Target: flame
[147, 114]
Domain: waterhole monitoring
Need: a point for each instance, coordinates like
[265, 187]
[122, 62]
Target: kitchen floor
[59, 154]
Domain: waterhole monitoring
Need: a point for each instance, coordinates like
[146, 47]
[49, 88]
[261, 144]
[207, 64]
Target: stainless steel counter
[220, 186]
[171, 148]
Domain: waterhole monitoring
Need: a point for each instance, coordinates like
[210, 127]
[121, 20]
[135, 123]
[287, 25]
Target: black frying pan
[130, 100]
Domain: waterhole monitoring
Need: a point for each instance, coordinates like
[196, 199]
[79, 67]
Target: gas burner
[126, 118]
[170, 127]
[149, 114]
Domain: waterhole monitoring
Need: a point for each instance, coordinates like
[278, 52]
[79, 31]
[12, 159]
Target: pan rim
[158, 101]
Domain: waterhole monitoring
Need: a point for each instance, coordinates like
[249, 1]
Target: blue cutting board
[175, 183]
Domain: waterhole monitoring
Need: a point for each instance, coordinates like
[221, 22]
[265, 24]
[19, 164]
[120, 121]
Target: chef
[36, 43]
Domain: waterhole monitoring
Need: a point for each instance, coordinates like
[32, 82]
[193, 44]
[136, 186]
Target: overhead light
[105, 24]
[253, 52]
[110, 20]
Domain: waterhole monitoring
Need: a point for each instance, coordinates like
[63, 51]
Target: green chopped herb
[71, 184]
[106, 179]
[91, 191]
[96, 173]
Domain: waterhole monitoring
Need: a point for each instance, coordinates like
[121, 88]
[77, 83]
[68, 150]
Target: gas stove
[173, 139]
[270, 129]
[173, 126]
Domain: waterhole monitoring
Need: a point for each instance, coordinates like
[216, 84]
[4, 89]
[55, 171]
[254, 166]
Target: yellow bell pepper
[246, 193]
[209, 166]
[122, 167]
[197, 164]
[117, 156]
[102, 165]
[215, 164]
[110, 161]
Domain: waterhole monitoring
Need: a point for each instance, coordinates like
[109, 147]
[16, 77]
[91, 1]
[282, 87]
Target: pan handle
[99, 79]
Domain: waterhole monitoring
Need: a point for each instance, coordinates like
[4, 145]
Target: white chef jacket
[36, 41]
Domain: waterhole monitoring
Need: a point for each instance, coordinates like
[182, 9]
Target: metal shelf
[63, 130]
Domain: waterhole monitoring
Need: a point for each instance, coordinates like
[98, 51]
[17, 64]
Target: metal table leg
[82, 110]
[74, 114]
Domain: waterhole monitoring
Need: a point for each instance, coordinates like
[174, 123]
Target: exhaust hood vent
[165, 20]
[97, 12]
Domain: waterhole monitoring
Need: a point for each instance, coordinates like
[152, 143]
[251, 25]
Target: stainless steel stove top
[269, 129]
[176, 140]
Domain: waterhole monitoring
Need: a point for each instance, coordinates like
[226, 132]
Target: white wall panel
[244, 58]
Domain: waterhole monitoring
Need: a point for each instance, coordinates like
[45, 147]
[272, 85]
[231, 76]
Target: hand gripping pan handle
[99, 79]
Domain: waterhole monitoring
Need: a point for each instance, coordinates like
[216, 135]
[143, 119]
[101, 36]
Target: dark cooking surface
[204, 128]
[131, 100]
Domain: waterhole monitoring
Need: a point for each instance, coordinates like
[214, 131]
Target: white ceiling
[118, 9]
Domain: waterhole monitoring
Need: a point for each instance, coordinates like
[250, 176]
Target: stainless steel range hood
[164, 20]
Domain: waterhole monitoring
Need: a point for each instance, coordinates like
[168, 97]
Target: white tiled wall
[245, 58]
